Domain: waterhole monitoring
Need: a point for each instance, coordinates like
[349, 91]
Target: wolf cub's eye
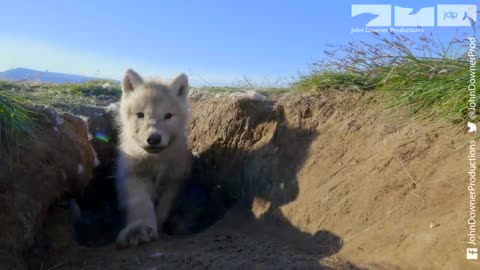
[140, 114]
[168, 115]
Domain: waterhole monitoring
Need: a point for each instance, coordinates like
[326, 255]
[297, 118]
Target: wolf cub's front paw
[135, 234]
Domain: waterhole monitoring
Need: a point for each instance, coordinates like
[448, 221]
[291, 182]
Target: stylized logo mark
[405, 17]
[383, 14]
[456, 15]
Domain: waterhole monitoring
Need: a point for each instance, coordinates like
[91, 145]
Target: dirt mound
[315, 181]
[389, 186]
[53, 165]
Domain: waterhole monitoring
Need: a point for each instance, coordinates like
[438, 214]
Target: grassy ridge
[425, 75]
[15, 120]
[92, 93]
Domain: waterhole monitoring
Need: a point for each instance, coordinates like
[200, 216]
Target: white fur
[148, 179]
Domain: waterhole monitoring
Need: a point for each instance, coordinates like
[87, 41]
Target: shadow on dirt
[265, 178]
[224, 175]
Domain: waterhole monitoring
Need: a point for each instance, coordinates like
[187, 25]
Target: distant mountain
[30, 75]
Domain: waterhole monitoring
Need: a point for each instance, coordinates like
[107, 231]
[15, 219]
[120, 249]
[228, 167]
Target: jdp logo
[456, 15]
[447, 15]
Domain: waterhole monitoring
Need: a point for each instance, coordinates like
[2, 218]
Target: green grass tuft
[15, 122]
[425, 75]
[329, 79]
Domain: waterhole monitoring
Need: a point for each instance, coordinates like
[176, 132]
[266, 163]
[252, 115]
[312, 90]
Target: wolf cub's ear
[131, 80]
[180, 86]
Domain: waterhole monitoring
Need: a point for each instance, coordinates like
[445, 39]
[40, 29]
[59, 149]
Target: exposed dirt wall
[390, 186]
[53, 165]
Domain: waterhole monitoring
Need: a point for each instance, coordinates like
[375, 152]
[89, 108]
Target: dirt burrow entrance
[317, 181]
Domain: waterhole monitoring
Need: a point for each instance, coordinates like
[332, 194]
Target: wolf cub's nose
[154, 139]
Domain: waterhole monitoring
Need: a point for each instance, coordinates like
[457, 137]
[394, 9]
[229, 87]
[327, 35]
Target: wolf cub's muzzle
[154, 140]
[154, 143]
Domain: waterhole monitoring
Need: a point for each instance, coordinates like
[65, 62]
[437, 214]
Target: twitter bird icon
[471, 127]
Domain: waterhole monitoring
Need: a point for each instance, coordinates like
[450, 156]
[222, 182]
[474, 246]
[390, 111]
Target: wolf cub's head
[154, 114]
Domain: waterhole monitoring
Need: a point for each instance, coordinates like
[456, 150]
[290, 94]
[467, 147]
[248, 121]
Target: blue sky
[215, 42]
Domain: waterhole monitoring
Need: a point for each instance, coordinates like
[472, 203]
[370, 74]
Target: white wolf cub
[154, 160]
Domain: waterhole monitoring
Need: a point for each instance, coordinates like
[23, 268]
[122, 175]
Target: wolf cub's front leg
[134, 195]
[165, 202]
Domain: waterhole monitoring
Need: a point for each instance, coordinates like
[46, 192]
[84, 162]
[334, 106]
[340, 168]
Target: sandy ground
[239, 241]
